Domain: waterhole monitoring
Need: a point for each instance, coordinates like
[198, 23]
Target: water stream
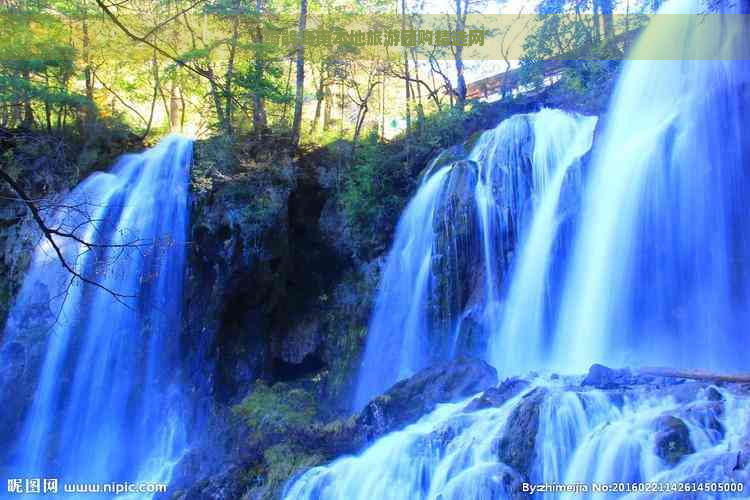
[108, 404]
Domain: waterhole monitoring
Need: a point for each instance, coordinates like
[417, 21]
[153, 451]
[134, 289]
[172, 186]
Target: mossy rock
[285, 460]
[276, 407]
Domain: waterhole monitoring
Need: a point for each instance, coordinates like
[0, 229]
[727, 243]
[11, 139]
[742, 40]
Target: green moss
[276, 406]
[282, 461]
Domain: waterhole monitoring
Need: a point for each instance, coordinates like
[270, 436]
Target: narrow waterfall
[560, 141]
[442, 288]
[402, 300]
[108, 404]
[659, 272]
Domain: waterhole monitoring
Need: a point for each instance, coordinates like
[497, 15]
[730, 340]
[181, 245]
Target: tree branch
[49, 233]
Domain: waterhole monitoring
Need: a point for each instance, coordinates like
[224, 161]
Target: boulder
[517, 446]
[403, 404]
[410, 399]
[672, 439]
[603, 377]
[457, 255]
[495, 397]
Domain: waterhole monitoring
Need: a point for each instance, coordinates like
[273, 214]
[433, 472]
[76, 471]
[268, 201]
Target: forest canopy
[225, 66]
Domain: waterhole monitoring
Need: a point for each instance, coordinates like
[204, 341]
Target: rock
[708, 414]
[672, 439]
[496, 396]
[403, 404]
[713, 394]
[484, 481]
[414, 397]
[457, 255]
[229, 484]
[302, 340]
[516, 447]
[602, 377]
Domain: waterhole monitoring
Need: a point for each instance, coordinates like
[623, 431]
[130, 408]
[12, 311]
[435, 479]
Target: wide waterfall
[442, 287]
[108, 404]
[653, 271]
[659, 272]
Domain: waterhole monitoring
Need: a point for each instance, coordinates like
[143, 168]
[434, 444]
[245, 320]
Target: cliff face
[273, 291]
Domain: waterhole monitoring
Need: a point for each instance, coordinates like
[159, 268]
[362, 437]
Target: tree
[300, 90]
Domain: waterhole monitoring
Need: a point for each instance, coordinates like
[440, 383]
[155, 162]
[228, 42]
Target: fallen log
[737, 378]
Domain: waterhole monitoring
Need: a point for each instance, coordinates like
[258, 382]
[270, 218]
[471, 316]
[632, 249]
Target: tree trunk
[28, 112]
[214, 96]
[319, 95]
[47, 106]
[595, 19]
[407, 87]
[300, 92]
[740, 378]
[174, 107]
[88, 75]
[360, 121]
[458, 56]
[230, 71]
[608, 20]
[420, 107]
[259, 106]
[327, 109]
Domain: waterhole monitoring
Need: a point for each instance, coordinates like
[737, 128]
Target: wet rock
[495, 397]
[457, 254]
[713, 394]
[414, 397]
[708, 415]
[230, 483]
[602, 377]
[485, 481]
[672, 439]
[516, 448]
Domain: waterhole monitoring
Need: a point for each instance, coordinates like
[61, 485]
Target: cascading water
[402, 301]
[560, 141]
[583, 436]
[659, 273]
[456, 234]
[107, 406]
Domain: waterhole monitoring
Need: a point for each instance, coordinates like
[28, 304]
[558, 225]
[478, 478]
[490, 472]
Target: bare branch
[49, 234]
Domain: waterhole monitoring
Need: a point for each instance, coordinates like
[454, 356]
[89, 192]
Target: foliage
[375, 188]
[382, 176]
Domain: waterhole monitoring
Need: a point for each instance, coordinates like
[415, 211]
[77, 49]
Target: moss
[276, 406]
[283, 461]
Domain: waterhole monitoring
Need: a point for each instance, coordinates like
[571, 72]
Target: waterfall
[401, 305]
[442, 287]
[560, 141]
[107, 405]
[582, 436]
[659, 271]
